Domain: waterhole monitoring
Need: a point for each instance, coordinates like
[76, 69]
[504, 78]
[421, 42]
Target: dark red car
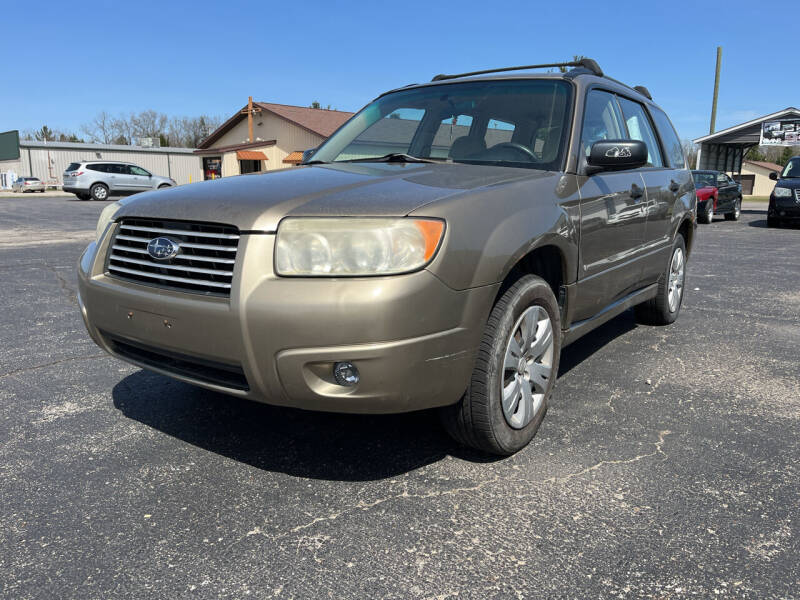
[717, 194]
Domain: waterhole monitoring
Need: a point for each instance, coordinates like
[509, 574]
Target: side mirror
[617, 155]
[773, 176]
[307, 154]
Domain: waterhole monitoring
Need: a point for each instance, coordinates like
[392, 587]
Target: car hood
[791, 183]
[259, 202]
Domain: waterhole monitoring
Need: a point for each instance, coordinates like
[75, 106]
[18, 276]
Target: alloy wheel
[527, 366]
[676, 278]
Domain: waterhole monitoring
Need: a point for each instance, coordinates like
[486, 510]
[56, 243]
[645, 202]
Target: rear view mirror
[773, 176]
[614, 155]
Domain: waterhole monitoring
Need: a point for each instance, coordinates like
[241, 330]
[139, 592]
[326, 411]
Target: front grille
[207, 371]
[204, 263]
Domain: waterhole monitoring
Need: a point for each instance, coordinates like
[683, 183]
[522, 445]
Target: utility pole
[716, 92]
[250, 111]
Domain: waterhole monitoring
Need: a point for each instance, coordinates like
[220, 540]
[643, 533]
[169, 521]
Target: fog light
[345, 374]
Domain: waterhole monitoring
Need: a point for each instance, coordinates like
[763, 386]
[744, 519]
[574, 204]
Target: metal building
[48, 160]
[724, 150]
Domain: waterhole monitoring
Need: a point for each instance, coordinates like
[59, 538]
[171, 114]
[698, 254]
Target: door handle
[674, 186]
[636, 192]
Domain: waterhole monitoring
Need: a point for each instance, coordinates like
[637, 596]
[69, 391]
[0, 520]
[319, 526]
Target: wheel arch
[546, 259]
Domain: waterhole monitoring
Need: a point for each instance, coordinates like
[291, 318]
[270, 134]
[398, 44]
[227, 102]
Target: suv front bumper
[412, 338]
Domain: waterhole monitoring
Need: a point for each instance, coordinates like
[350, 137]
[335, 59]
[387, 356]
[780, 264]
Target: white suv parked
[100, 179]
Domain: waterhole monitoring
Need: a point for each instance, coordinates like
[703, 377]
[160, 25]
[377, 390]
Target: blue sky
[188, 58]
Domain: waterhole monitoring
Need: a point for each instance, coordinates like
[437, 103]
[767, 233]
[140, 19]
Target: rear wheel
[708, 216]
[663, 309]
[737, 211]
[99, 192]
[514, 374]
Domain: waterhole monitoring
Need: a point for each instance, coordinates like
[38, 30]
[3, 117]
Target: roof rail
[586, 63]
[643, 91]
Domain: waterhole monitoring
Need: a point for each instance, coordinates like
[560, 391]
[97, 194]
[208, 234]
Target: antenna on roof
[587, 63]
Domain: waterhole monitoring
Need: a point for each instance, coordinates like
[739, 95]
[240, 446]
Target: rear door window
[101, 168]
[669, 138]
[639, 128]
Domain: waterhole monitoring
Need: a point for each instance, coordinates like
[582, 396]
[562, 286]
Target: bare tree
[100, 129]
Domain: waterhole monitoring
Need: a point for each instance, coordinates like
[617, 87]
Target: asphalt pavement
[667, 465]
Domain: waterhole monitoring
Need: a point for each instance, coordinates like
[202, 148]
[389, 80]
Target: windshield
[704, 179]
[792, 168]
[511, 123]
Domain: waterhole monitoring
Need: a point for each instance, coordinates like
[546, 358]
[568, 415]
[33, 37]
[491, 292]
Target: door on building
[249, 166]
[212, 167]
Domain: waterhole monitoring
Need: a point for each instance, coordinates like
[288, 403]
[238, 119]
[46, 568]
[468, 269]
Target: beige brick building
[280, 133]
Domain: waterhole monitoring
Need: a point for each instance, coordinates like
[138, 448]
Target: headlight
[782, 192]
[336, 247]
[105, 218]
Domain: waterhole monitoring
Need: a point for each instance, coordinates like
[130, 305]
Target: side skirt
[609, 312]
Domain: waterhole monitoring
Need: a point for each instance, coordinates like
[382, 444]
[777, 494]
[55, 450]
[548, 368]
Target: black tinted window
[73, 166]
[98, 167]
[672, 145]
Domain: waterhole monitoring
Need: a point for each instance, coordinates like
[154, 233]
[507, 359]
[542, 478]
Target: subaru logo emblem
[162, 248]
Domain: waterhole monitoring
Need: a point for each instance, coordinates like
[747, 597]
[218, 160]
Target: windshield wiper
[394, 157]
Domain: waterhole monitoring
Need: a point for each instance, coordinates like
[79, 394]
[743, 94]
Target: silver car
[99, 179]
[28, 184]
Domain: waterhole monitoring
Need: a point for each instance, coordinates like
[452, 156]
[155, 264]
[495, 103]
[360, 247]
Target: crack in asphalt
[50, 364]
[658, 445]
[71, 294]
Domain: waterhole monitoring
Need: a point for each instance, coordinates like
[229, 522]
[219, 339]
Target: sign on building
[780, 133]
[9, 145]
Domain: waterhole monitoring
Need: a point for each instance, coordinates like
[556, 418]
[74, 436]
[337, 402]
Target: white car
[28, 184]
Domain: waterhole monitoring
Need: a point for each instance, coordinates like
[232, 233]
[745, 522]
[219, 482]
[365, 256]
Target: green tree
[315, 104]
[754, 153]
[785, 156]
[45, 134]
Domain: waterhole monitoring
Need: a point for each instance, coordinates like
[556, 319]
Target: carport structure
[724, 150]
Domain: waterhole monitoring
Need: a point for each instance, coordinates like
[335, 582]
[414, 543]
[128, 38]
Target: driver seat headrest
[466, 146]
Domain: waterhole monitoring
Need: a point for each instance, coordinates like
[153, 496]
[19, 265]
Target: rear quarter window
[73, 166]
[672, 145]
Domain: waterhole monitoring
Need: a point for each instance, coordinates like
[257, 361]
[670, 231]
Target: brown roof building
[279, 133]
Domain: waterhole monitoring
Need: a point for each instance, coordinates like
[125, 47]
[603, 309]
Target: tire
[773, 222]
[737, 211]
[708, 216]
[83, 196]
[99, 192]
[663, 309]
[480, 420]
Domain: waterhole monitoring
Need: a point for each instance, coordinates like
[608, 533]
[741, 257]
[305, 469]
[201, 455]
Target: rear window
[73, 166]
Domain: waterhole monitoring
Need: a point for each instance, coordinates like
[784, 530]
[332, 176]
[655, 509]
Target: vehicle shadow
[583, 348]
[314, 445]
[330, 446]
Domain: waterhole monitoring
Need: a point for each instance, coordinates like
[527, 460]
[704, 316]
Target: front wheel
[99, 192]
[737, 211]
[514, 373]
[773, 222]
[663, 309]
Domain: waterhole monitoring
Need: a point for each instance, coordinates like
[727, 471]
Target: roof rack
[587, 63]
[643, 91]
